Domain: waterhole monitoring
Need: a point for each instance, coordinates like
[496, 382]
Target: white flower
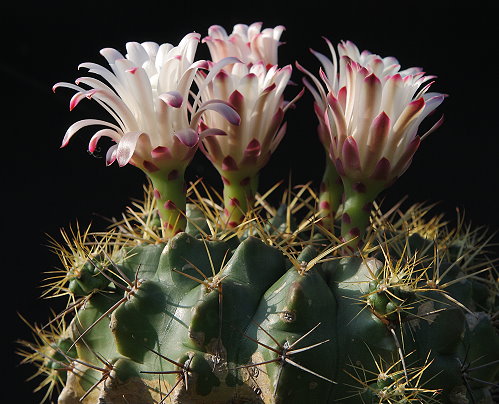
[257, 95]
[146, 92]
[248, 43]
[372, 111]
[254, 87]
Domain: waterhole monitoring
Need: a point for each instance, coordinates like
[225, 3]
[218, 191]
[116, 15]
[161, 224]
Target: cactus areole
[198, 296]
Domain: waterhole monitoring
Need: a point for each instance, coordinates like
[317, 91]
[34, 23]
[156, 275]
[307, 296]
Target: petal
[229, 164]
[116, 106]
[236, 99]
[338, 125]
[111, 55]
[378, 134]
[139, 86]
[211, 75]
[127, 146]
[187, 137]
[404, 161]
[212, 150]
[104, 73]
[67, 85]
[391, 88]
[294, 100]
[161, 152]
[350, 155]
[253, 148]
[339, 166]
[252, 153]
[136, 53]
[212, 132]
[222, 107]
[431, 103]
[103, 132]
[111, 154]
[268, 139]
[329, 66]
[366, 109]
[318, 92]
[81, 124]
[172, 98]
[409, 113]
[400, 128]
[342, 97]
[381, 170]
[277, 138]
[379, 130]
[433, 128]
[217, 31]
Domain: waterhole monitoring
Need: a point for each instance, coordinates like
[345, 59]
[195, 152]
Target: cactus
[272, 313]
[197, 297]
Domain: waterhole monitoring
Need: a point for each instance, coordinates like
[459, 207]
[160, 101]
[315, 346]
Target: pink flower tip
[372, 79]
[418, 103]
[160, 152]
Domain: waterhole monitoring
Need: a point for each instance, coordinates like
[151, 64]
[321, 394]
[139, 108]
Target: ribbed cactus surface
[252, 319]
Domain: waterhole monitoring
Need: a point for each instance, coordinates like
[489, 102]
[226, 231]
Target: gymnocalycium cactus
[191, 299]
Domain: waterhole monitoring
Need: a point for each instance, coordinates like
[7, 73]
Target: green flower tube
[169, 194]
[331, 193]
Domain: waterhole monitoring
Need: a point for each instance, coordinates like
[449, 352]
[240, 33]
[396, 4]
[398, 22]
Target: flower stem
[169, 193]
[331, 192]
[356, 211]
[239, 193]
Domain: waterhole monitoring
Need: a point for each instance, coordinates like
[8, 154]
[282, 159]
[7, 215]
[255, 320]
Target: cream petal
[112, 134]
[188, 137]
[83, 123]
[127, 146]
[111, 154]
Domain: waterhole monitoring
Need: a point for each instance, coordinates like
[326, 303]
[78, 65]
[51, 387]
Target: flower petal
[378, 135]
[212, 132]
[127, 146]
[111, 154]
[350, 155]
[339, 129]
[214, 70]
[229, 164]
[161, 152]
[172, 98]
[187, 137]
[253, 148]
[112, 134]
[212, 150]
[83, 123]
[222, 107]
[381, 171]
[404, 161]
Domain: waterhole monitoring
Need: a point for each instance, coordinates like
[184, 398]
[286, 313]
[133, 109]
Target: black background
[45, 188]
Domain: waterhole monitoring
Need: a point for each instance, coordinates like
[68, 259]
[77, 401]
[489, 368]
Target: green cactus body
[239, 320]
